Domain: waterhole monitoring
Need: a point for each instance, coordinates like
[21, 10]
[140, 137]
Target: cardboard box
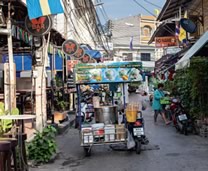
[109, 133]
[58, 116]
[87, 135]
[120, 132]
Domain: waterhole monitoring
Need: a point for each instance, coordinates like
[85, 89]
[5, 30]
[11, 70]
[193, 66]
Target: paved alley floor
[167, 151]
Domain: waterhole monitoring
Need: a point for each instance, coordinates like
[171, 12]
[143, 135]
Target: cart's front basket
[104, 136]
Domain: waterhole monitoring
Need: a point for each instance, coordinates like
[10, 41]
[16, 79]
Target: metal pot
[106, 114]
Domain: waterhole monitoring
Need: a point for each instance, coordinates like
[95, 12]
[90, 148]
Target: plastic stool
[5, 156]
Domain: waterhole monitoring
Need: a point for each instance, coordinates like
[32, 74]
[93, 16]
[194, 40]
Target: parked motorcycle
[181, 120]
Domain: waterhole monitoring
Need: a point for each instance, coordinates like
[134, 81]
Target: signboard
[38, 26]
[71, 64]
[86, 58]
[70, 47]
[80, 53]
[161, 42]
[114, 72]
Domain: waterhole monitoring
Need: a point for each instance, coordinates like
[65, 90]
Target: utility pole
[38, 90]
[40, 86]
[10, 86]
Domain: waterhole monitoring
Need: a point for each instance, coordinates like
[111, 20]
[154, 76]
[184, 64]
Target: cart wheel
[138, 147]
[87, 151]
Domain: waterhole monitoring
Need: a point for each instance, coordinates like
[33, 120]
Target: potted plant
[43, 147]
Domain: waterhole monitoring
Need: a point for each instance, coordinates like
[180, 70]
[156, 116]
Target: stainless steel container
[106, 114]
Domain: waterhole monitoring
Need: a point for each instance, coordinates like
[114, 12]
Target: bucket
[106, 114]
[131, 115]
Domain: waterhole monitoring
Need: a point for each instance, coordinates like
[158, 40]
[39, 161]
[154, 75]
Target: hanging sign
[80, 53]
[165, 41]
[86, 58]
[38, 26]
[111, 72]
[70, 47]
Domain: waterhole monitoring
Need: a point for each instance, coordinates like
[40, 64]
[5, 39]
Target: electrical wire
[85, 20]
[126, 36]
[69, 14]
[95, 19]
[75, 29]
[104, 17]
[144, 8]
[153, 4]
[103, 33]
[103, 12]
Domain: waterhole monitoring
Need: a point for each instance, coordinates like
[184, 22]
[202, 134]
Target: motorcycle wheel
[138, 146]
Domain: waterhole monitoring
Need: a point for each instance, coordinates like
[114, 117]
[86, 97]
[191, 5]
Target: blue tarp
[24, 62]
[58, 62]
[94, 53]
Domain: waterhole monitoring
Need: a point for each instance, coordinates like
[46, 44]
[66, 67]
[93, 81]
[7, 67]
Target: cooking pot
[106, 114]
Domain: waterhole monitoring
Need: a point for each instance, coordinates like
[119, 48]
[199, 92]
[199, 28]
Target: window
[145, 57]
[146, 31]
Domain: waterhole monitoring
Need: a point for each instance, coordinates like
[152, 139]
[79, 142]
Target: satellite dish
[188, 25]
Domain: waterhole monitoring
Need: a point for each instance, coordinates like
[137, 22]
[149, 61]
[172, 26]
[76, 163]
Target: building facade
[130, 37]
[195, 42]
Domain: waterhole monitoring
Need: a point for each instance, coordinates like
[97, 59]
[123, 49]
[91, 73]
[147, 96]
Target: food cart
[107, 125]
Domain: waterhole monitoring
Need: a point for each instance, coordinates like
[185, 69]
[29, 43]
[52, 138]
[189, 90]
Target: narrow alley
[167, 151]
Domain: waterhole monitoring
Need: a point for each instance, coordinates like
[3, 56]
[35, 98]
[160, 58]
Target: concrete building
[136, 30]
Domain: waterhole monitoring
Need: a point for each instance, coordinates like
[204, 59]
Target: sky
[116, 9]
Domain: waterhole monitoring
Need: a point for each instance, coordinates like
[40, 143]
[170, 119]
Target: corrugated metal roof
[165, 29]
[171, 9]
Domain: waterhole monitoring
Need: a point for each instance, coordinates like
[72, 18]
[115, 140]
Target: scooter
[137, 131]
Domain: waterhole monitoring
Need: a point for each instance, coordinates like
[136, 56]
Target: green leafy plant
[43, 146]
[191, 85]
[6, 125]
[62, 105]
